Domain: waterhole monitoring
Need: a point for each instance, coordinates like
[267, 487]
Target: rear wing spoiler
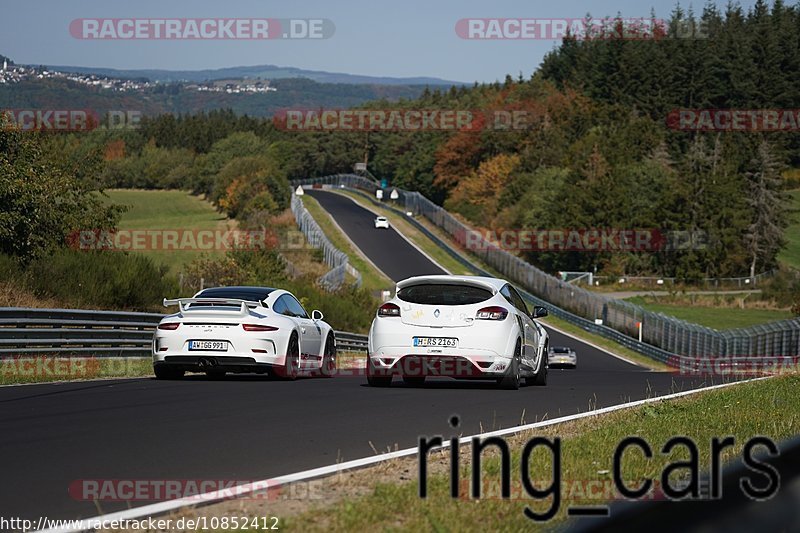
[446, 280]
[183, 302]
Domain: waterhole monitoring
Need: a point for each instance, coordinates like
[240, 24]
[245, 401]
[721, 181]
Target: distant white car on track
[242, 329]
[457, 326]
[381, 222]
[562, 356]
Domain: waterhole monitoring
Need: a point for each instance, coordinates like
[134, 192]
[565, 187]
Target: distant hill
[265, 72]
[60, 93]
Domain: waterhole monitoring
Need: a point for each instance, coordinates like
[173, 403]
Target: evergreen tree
[769, 218]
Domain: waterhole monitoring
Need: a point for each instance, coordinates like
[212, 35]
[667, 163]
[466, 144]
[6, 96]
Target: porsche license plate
[438, 342]
[209, 346]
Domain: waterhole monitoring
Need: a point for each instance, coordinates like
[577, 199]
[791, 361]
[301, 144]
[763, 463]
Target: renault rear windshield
[443, 294]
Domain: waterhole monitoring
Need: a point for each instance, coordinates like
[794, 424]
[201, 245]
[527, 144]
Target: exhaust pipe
[206, 362]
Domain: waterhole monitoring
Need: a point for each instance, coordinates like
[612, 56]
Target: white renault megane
[242, 329]
[457, 326]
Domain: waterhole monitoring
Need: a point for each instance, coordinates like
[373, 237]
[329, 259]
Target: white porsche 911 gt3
[457, 326]
[242, 329]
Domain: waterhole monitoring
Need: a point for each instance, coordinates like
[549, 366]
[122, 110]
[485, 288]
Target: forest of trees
[598, 154]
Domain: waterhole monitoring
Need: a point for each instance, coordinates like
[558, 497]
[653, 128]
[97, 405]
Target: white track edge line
[215, 496]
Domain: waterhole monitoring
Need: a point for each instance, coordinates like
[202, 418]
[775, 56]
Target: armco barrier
[663, 336]
[25, 331]
[333, 257]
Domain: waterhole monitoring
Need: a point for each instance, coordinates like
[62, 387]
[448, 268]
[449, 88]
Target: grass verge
[713, 317]
[385, 497]
[169, 210]
[43, 369]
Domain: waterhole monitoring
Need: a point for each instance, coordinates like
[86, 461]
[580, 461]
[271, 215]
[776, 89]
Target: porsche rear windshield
[443, 294]
[249, 294]
[559, 349]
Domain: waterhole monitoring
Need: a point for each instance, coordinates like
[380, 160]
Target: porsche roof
[249, 294]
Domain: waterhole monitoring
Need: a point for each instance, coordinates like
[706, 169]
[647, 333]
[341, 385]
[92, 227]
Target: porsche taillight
[258, 327]
[170, 326]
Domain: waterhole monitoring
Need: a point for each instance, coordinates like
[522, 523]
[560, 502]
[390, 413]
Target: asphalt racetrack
[248, 428]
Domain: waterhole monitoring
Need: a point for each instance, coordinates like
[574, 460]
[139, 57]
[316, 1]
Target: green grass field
[169, 210]
[790, 255]
[714, 317]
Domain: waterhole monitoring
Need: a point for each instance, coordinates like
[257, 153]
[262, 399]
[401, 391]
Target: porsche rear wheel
[291, 366]
[328, 368]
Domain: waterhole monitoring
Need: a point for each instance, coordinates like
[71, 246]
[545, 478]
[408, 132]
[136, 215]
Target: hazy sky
[380, 38]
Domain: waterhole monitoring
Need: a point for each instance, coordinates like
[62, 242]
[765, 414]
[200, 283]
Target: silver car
[562, 357]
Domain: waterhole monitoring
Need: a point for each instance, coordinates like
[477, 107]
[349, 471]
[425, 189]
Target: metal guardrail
[351, 342]
[664, 337]
[742, 282]
[333, 257]
[26, 331]
[587, 325]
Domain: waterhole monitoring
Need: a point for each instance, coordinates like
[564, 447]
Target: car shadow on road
[450, 384]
